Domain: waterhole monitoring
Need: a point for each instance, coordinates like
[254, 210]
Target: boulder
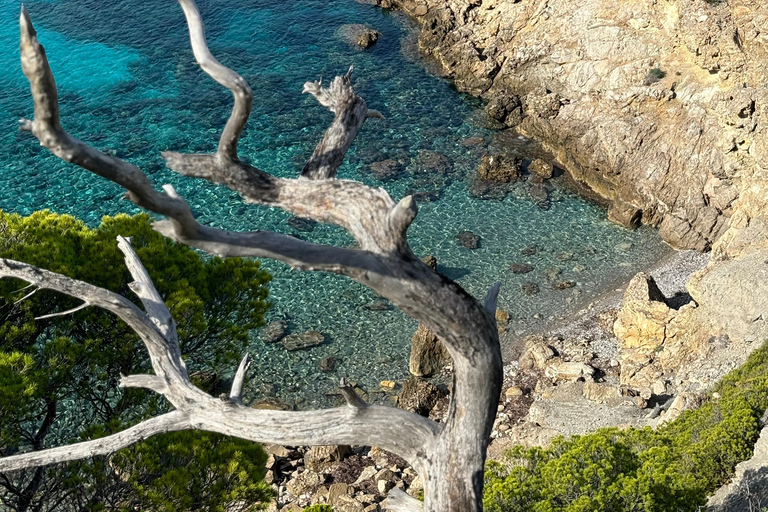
[530, 288]
[302, 483]
[644, 315]
[467, 239]
[386, 170]
[536, 354]
[505, 108]
[428, 355]
[539, 167]
[274, 332]
[302, 341]
[358, 35]
[569, 371]
[419, 396]
[500, 168]
[318, 458]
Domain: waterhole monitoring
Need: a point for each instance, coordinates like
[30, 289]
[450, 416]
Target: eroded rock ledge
[660, 106]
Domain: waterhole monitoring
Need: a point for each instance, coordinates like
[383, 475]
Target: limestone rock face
[676, 152]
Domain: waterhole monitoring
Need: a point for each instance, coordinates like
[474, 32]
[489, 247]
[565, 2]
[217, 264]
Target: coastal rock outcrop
[677, 152]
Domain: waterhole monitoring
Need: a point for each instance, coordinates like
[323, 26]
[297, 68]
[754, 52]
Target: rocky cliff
[660, 106]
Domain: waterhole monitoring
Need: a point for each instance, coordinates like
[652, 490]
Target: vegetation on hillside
[59, 376]
[640, 470]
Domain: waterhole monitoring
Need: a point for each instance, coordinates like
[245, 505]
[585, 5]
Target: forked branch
[396, 430]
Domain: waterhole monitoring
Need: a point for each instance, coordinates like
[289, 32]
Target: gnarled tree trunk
[449, 457]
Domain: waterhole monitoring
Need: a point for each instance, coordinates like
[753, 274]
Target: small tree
[63, 369]
[450, 456]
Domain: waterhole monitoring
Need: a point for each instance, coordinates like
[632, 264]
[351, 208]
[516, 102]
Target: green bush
[193, 470]
[319, 508]
[639, 470]
[654, 76]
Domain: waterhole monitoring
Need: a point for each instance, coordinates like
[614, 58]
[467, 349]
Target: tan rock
[541, 168]
[513, 391]
[387, 384]
[536, 354]
[337, 490]
[428, 355]
[600, 392]
[569, 371]
[502, 319]
[303, 482]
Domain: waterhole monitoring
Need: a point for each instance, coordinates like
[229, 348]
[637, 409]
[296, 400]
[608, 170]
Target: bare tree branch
[236, 393]
[170, 422]
[145, 290]
[225, 76]
[392, 429]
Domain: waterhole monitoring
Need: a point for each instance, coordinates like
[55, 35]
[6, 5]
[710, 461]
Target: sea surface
[128, 85]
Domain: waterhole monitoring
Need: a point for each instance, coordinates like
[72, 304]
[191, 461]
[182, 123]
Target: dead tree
[448, 456]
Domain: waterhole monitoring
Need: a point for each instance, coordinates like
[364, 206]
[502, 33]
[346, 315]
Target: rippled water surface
[128, 85]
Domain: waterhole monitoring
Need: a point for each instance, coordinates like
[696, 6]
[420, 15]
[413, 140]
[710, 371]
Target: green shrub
[654, 76]
[319, 508]
[639, 470]
[194, 470]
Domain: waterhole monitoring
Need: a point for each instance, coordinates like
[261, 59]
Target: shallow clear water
[128, 85]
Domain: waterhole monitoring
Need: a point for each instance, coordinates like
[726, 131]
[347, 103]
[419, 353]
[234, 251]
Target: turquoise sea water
[128, 85]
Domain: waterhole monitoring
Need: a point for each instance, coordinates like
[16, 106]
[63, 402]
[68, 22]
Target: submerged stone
[467, 239]
[304, 340]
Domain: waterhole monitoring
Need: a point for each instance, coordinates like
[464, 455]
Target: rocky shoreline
[660, 108]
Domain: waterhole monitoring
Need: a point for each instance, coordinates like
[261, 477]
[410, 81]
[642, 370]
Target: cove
[129, 85]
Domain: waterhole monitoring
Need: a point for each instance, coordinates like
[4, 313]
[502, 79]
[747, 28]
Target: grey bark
[449, 457]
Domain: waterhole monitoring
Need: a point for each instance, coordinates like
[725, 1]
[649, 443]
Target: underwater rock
[530, 250]
[521, 268]
[377, 305]
[274, 331]
[428, 161]
[386, 170]
[358, 35]
[328, 364]
[564, 285]
[304, 340]
[467, 239]
[301, 224]
[424, 196]
[530, 288]
[473, 142]
[500, 168]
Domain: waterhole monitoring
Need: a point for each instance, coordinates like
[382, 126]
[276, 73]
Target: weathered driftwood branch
[448, 457]
[375, 426]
